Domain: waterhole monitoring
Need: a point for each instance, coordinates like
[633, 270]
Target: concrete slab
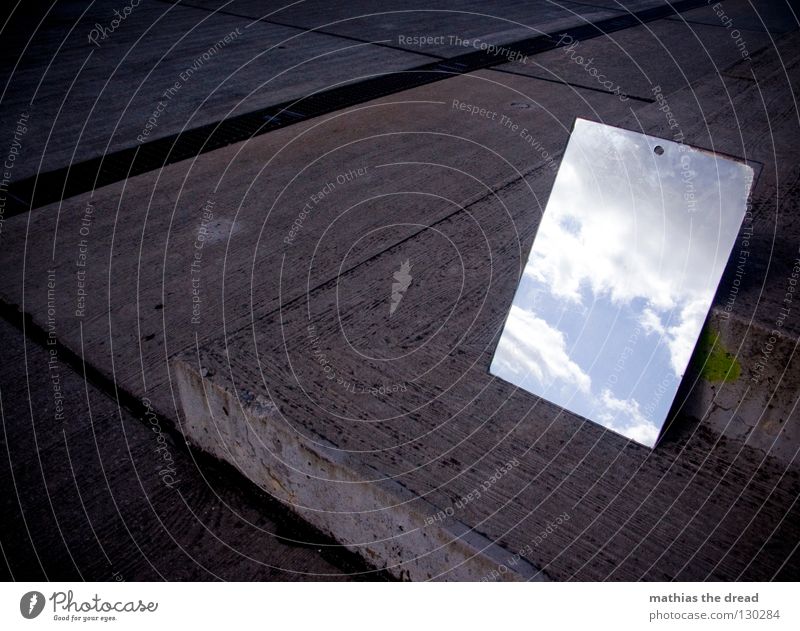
[152, 266]
[626, 5]
[419, 26]
[165, 68]
[331, 396]
[336, 388]
[666, 55]
[266, 261]
[770, 16]
[88, 497]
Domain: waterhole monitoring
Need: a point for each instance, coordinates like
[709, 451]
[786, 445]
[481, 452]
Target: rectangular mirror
[621, 276]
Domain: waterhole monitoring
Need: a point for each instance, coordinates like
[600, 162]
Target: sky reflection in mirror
[621, 276]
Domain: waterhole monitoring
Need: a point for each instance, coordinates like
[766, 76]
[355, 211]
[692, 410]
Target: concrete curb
[249, 432]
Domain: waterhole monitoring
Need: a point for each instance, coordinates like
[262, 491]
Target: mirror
[621, 276]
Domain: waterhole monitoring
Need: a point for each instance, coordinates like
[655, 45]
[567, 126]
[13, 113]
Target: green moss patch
[715, 362]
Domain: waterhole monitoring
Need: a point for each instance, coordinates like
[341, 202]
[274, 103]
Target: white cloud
[531, 347]
[683, 336]
[680, 338]
[651, 322]
[625, 417]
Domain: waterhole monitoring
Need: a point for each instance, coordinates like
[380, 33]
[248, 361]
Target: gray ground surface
[93, 492]
[438, 186]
